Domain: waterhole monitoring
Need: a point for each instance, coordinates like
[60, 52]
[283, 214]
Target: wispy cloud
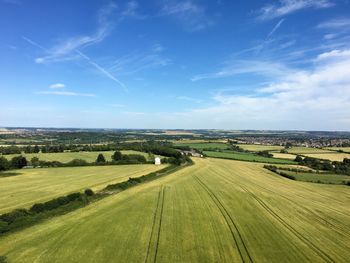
[335, 23]
[57, 86]
[67, 93]
[276, 27]
[192, 15]
[65, 50]
[101, 69]
[285, 7]
[237, 67]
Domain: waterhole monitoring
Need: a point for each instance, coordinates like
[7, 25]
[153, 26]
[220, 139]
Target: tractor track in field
[155, 233]
[305, 240]
[236, 237]
[321, 220]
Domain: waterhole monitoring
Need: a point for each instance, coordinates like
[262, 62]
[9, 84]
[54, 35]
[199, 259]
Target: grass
[38, 185]
[319, 178]
[241, 156]
[207, 145]
[214, 211]
[306, 150]
[330, 156]
[344, 149]
[258, 148]
[68, 156]
[283, 155]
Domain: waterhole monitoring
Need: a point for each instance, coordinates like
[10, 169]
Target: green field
[68, 156]
[334, 156]
[258, 148]
[42, 184]
[345, 149]
[283, 155]
[242, 156]
[318, 177]
[207, 145]
[214, 211]
[306, 150]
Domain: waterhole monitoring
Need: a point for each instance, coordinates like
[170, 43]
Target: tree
[19, 162]
[100, 158]
[36, 149]
[4, 164]
[298, 159]
[35, 161]
[117, 156]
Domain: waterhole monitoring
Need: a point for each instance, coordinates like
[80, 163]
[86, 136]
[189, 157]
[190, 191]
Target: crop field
[330, 156]
[246, 157]
[65, 157]
[306, 150]
[322, 178]
[37, 185]
[206, 145]
[258, 148]
[214, 211]
[283, 155]
[345, 149]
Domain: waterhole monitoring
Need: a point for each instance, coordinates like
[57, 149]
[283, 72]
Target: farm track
[237, 237]
[151, 256]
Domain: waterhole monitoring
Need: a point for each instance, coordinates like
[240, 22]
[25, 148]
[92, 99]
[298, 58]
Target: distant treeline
[325, 165]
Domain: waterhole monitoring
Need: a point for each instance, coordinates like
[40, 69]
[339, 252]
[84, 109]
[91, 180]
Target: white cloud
[191, 15]
[66, 49]
[313, 99]
[285, 7]
[67, 93]
[276, 27]
[237, 67]
[57, 86]
[335, 23]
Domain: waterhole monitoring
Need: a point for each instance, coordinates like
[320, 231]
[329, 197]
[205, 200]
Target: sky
[185, 64]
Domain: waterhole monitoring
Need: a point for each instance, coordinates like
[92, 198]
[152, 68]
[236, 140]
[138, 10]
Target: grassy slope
[302, 150]
[200, 146]
[283, 155]
[214, 211]
[330, 156]
[324, 178]
[257, 148]
[68, 156]
[38, 185]
[246, 157]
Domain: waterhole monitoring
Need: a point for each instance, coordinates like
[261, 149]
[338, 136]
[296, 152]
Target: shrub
[18, 162]
[117, 156]
[4, 164]
[89, 192]
[100, 158]
[3, 259]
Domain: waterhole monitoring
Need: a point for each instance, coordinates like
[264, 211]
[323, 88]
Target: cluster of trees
[16, 162]
[265, 154]
[274, 169]
[317, 164]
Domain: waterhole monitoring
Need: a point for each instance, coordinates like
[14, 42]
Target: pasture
[206, 145]
[41, 184]
[306, 150]
[283, 155]
[319, 178]
[333, 156]
[259, 147]
[214, 211]
[344, 149]
[65, 157]
[242, 156]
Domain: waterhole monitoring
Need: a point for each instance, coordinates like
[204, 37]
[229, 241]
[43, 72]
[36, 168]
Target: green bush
[89, 192]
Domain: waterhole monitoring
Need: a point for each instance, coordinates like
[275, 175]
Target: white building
[157, 161]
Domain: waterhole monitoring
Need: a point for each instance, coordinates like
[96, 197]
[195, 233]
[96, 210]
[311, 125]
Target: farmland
[306, 150]
[29, 186]
[214, 211]
[329, 156]
[242, 156]
[257, 147]
[283, 155]
[206, 145]
[65, 157]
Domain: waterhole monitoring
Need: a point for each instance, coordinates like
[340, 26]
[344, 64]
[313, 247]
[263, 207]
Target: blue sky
[175, 64]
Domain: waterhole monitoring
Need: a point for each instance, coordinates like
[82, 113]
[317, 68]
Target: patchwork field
[258, 148]
[330, 156]
[68, 156]
[242, 156]
[214, 211]
[345, 149]
[37, 185]
[306, 150]
[283, 155]
[207, 145]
